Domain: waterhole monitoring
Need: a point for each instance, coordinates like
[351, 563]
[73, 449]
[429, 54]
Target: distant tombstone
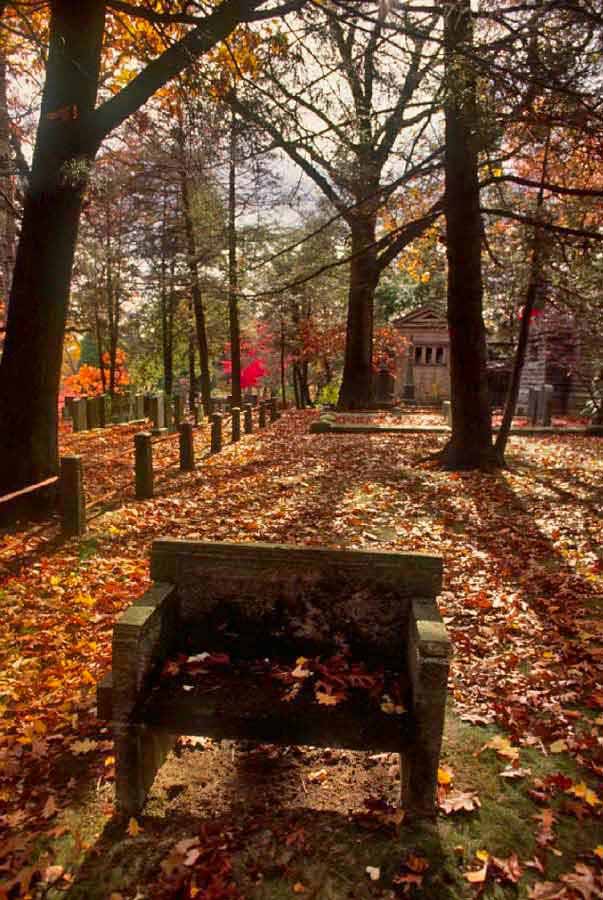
[384, 386]
[104, 410]
[78, 414]
[216, 432]
[197, 414]
[248, 418]
[139, 412]
[532, 405]
[157, 412]
[169, 414]
[178, 411]
[236, 424]
[93, 412]
[251, 398]
[262, 415]
[67, 407]
[147, 405]
[447, 412]
[545, 405]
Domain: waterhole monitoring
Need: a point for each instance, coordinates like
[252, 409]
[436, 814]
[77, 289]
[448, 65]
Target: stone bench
[261, 600]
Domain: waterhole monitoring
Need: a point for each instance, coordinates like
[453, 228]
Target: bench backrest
[257, 593]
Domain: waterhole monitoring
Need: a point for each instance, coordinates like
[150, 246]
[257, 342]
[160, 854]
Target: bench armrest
[142, 638]
[428, 655]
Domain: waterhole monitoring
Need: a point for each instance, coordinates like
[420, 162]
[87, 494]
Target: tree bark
[356, 390]
[31, 363]
[233, 304]
[470, 445]
[7, 211]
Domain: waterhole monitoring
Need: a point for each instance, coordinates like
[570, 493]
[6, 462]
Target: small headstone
[216, 432]
[143, 465]
[73, 504]
[178, 411]
[532, 405]
[197, 414]
[147, 405]
[139, 412]
[104, 410]
[447, 412]
[78, 414]
[67, 407]
[273, 409]
[236, 424]
[262, 415]
[545, 405]
[187, 448]
[248, 418]
[93, 412]
[157, 411]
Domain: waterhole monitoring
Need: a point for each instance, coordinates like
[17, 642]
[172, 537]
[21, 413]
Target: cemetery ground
[520, 797]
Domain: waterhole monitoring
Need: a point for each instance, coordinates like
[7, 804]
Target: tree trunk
[99, 344]
[192, 377]
[356, 390]
[282, 363]
[233, 305]
[31, 363]
[7, 196]
[470, 445]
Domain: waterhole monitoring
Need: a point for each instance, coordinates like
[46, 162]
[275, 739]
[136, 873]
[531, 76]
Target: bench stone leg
[419, 779]
[139, 753]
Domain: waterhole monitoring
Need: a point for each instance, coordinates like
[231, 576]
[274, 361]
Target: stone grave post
[235, 412]
[187, 448]
[262, 415]
[447, 412]
[545, 405]
[104, 410]
[157, 413]
[78, 413]
[73, 505]
[143, 465]
[147, 405]
[178, 410]
[273, 409]
[93, 412]
[169, 414]
[67, 401]
[216, 432]
[139, 412]
[197, 414]
[248, 418]
[532, 405]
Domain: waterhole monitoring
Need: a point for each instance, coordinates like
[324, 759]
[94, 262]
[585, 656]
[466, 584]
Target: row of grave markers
[143, 441]
[539, 412]
[87, 413]
[71, 480]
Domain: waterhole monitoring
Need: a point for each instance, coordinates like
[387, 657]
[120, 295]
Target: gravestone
[93, 412]
[248, 418]
[143, 465]
[545, 405]
[78, 414]
[236, 424]
[178, 410]
[447, 412]
[532, 405]
[67, 407]
[169, 415]
[104, 410]
[139, 412]
[73, 504]
[384, 386]
[157, 413]
[262, 415]
[187, 448]
[216, 433]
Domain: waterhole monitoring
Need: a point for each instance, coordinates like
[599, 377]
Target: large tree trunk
[31, 363]
[7, 210]
[233, 304]
[356, 390]
[470, 445]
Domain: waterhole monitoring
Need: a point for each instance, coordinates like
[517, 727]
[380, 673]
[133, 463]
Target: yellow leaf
[503, 747]
[497, 172]
[558, 747]
[585, 793]
[327, 699]
[482, 855]
[445, 775]
[598, 851]
[426, 277]
[87, 677]
[40, 727]
[134, 828]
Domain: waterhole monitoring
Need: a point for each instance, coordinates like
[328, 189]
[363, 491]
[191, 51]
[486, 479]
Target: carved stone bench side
[429, 652]
[142, 639]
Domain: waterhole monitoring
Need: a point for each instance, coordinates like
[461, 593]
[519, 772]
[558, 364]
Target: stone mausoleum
[423, 372]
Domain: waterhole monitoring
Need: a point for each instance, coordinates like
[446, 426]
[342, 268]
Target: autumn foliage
[88, 379]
